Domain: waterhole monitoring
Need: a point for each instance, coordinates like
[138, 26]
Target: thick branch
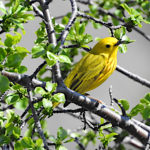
[48, 21]
[23, 79]
[106, 113]
[136, 128]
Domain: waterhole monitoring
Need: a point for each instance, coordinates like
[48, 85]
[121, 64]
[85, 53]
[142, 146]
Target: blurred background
[135, 60]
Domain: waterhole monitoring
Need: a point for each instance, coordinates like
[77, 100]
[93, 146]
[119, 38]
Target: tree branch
[48, 22]
[37, 122]
[69, 111]
[133, 76]
[108, 25]
[37, 70]
[37, 11]
[70, 23]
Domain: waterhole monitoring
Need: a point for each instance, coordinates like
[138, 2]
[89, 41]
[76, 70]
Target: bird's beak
[119, 42]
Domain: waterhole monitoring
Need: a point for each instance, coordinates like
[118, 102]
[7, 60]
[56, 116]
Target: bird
[95, 67]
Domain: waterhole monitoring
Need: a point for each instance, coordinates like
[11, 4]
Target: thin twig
[8, 107]
[37, 122]
[32, 2]
[37, 11]
[101, 125]
[142, 33]
[110, 95]
[25, 112]
[70, 23]
[108, 25]
[88, 2]
[133, 76]
[121, 107]
[76, 46]
[79, 143]
[37, 70]
[79, 110]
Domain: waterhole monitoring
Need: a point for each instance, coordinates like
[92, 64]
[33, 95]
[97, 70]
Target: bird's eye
[107, 46]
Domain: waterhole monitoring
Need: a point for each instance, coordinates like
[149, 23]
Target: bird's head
[106, 45]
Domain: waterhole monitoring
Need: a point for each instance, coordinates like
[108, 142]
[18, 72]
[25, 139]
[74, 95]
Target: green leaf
[4, 83]
[15, 7]
[27, 16]
[147, 97]
[93, 9]
[9, 40]
[12, 40]
[12, 98]
[146, 112]
[51, 87]
[65, 20]
[27, 142]
[138, 108]
[38, 51]
[39, 90]
[14, 60]
[82, 29]
[3, 54]
[2, 7]
[50, 62]
[18, 146]
[39, 142]
[52, 58]
[144, 101]
[4, 140]
[127, 8]
[59, 97]
[61, 147]
[115, 21]
[96, 25]
[22, 103]
[87, 39]
[47, 103]
[22, 69]
[61, 134]
[52, 138]
[20, 49]
[16, 132]
[59, 28]
[124, 103]
[102, 120]
[64, 59]
[119, 33]
[108, 136]
[122, 48]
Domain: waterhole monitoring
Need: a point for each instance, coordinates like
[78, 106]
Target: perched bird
[95, 67]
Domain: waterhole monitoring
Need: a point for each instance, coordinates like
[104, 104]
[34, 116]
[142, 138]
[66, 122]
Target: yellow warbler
[95, 67]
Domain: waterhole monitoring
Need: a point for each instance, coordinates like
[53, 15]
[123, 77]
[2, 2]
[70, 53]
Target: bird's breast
[108, 70]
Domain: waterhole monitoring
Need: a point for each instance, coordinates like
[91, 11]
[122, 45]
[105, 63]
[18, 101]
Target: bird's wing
[85, 72]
